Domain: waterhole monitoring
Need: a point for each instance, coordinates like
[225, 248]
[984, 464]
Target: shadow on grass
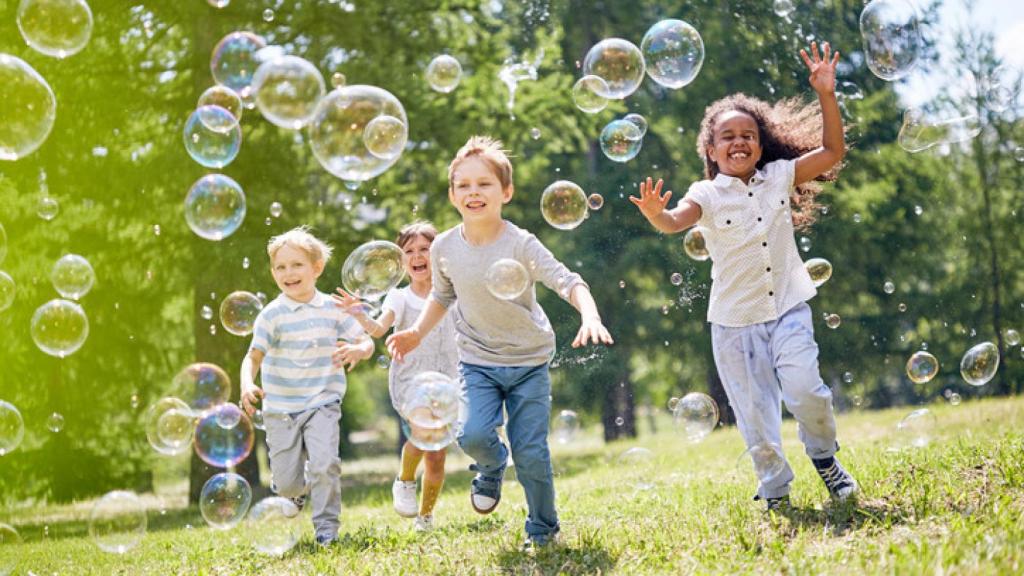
[584, 555]
[839, 518]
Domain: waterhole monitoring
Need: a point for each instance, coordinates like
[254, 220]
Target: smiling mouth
[293, 283]
[419, 268]
[475, 205]
[739, 155]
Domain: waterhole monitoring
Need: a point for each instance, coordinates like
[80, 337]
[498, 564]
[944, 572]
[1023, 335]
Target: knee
[532, 461]
[434, 460]
[475, 440]
[291, 486]
[327, 467]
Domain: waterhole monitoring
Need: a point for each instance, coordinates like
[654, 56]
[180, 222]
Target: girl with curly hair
[759, 163]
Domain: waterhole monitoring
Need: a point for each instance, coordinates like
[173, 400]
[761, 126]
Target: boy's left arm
[833, 147]
[591, 327]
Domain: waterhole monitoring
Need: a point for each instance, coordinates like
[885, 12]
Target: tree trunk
[618, 414]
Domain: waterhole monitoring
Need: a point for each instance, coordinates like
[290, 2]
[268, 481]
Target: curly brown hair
[787, 129]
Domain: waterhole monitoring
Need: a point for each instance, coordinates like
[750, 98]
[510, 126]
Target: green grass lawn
[955, 506]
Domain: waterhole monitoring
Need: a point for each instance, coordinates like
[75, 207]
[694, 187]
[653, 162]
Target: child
[504, 345]
[761, 331]
[437, 353]
[292, 342]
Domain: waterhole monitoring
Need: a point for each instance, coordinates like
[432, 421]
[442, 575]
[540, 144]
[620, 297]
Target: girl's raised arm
[823, 79]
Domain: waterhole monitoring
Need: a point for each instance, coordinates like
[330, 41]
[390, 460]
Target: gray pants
[303, 451]
[760, 366]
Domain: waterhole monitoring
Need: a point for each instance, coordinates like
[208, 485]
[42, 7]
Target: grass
[955, 506]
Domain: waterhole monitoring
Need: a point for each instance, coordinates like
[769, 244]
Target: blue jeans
[526, 393]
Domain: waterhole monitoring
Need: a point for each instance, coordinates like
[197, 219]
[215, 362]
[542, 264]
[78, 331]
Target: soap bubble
[619, 63]
[29, 108]
[337, 131]
[621, 140]
[202, 385]
[563, 204]
[117, 522]
[676, 279]
[170, 424]
[276, 209]
[225, 98]
[12, 427]
[338, 80]
[238, 312]
[224, 500]
[58, 28]
[274, 526]
[215, 207]
[833, 321]
[8, 290]
[212, 148]
[55, 423]
[595, 201]
[922, 367]
[587, 94]
[72, 276]
[507, 279]
[435, 409]
[954, 399]
[9, 554]
[1012, 336]
[805, 244]
[287, 91]
[258, 421]
[768, 460]
[639, 121]
[637, 466]
[234, 61]
[694, 244]
[3, 243]
[697, 414]
[47, 208]
[385, 137]
[372, 269]
[220, 446]
[979, 364]
[819, 269]
[674, 53]
[890, 36]
[888, 287]
[268, 15]
[915, 430]
[566, 426]
[783, 8]
[920, 132]
[444, 73]
[59, 327]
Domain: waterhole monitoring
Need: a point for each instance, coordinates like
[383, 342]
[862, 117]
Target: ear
[318, 267]
[451, 195]
[506, 194]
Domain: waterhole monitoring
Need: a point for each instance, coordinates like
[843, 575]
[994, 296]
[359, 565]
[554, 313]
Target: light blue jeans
[764, 364]
[525, 392]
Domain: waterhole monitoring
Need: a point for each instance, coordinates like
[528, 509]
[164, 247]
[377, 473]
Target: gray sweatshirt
[490, 331]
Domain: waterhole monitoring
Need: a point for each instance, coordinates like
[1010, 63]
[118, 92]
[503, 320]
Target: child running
[504, 346]
[436, 353]
[756, 155]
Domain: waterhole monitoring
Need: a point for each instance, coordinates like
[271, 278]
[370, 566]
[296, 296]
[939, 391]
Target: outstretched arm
[591, 328]
[405, 341]
[652, 205]
[355, 307]
[823, 80]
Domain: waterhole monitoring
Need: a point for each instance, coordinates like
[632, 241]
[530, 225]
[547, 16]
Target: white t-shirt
[437, 351]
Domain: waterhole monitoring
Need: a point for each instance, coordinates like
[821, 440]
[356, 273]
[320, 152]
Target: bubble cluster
[72, 276]
[673, 52]
[215, 207]
[697, 414]
[563, 204]
[58, 28]
[979, 364]
[224, 500]
[238, 312]
[694, 244]
[287, 90]
[221, 446]
[170, 424]
[59, 327]
[619, 63]
[12, 427]
[435, 410]
[117, 522]
[922, 367]
[235, 60]
[8, 290]
[507, 279]
[566, 426]
[443, 73]
[890, 36]
[274, 526]
[372, 269]
[621, 140]
[587, 94]
[29, 108]
[202, 385]
[819, 269]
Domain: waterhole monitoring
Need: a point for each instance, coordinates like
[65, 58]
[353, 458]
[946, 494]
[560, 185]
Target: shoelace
[835, 477]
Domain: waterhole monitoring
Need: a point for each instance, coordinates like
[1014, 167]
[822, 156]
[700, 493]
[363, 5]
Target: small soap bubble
[435, 410]
[202, 385]
[619, 63]
[891, 39]
[220, 98]
[443, 73]
[235, 60]
[595, 201]
[535, 133]
[954, 399]
[238, 311]
[47, 207]
[901, 307]
[673, 52]
[622, 283]
[117, 522]
[889, 287]
[619, 421]
[639, 121]
[918, 210]
[169, 426]
[372, 269]
[288, 90]
[819, 269]
[694, 244]
[268, 15]
[848, 377]
[856, 400]
[621, 140]
[212, 136]
[274, 526]
[507, 279]
[383, 362]
[276, 209]
[72, 276]
[215, 207]
[59, 327]
[206, 312]
[979, 364]
[245, 263]
[385, 136]
[697, 414]
[257, 420]
[220, 446]
[338, 80]
[676, 279]
[1012, 337]
[55, 423]
[856, 218]
[336, 131]
[833, 321]
[915, 430]
[224, 500]
[922, 367]
[587, 94]
[566, 426]
[783, 8]
[563, 205]
[805, 244]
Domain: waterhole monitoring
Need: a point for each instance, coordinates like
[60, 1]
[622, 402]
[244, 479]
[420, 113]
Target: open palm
[822, 67]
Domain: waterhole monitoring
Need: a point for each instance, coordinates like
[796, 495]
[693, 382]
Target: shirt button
[782, 202]
[728, 221]
[751, 194]
[771, 293]
[758, 218]
[765, 244]
[768, 269]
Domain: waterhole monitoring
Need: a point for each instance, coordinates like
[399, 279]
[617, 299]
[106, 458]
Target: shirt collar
[318, 301]
[725, 181]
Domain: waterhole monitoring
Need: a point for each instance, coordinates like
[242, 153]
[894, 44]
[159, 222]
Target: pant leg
[744, 362]
[529, 416]
[479, 437]
[805, 394]
[322, 437]
[287, 455]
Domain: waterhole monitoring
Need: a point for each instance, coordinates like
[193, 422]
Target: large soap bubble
[566, 426]
[170, 424]
[444, 73]
[637, 467]
[57, 28]
[274, 526]
[697, 414]
[621, 140]
[920, 132]
[225, 98]
[694, 244]
[587, 94]
[619, 63]
[287, 90]
[117, 522]
[28, 111]
[72, 276]
[59, 327]
[980, 363]
[202, 385]
[915, 430]
[234, 61]
[8, 291]
[337, 131]
[220, 445]
[922, 367]
[372, 269]
[224, 500]
[819, 269]
[435, 409]
[385, 137]
[215, 207]
[506, 279]
[639, 121]
[212, 136]
[563, 205]
[890, 36]
[673, 53]
[12, 427]
[238, 312]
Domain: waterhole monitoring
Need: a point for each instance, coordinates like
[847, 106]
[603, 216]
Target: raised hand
[822, 67]
[651, 202]
[348, 302]
[401, 343]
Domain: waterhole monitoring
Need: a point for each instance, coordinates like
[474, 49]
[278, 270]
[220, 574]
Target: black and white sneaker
[839, 482]
[780, 504]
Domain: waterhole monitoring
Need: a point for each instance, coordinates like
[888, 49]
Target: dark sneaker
[780, 504]
[839, 482]
[326, 540]
[485, 493]
[535, 543]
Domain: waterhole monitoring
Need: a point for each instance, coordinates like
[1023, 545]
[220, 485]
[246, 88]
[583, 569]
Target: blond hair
[417, 228]
[490, 151]
[301, 238]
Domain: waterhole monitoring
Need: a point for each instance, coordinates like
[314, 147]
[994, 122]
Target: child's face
[736, 144]
[295, 273]
[416, 258]
[476, 191]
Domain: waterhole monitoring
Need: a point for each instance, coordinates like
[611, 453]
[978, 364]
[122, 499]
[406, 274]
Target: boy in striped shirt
[292, 343]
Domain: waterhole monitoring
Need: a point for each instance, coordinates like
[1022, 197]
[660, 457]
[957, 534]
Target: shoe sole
[399, 512]
[484, 511]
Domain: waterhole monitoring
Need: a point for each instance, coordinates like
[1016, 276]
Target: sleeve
[263, 333]
[443, 291]
[544, 267]
[349, 329]
[394, 301]
[700, 195]
[781, 173]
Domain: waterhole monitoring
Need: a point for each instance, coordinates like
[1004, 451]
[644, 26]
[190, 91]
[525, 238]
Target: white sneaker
[424, 523]
[404, 496]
